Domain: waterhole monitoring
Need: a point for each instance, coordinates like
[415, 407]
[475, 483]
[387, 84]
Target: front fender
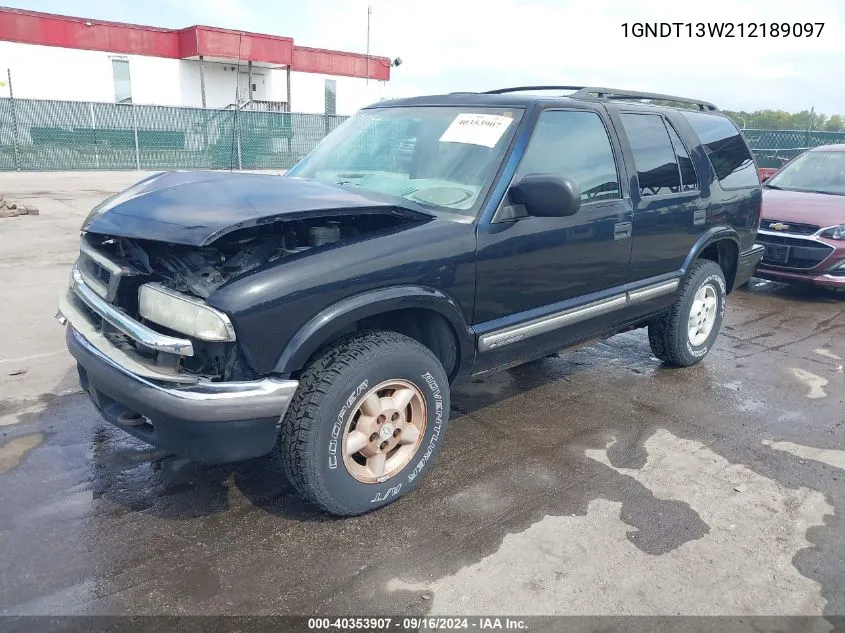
[339, 316]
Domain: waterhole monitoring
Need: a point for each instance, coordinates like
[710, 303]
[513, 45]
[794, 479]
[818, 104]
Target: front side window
[654, 156]
[726, 150]
[573, 143]
[122, 83]
[443, 158]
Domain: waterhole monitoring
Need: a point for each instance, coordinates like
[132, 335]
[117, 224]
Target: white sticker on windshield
[476, 129]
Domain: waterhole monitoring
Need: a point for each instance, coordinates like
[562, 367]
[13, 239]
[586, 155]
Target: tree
[783, 120]
[834, 124]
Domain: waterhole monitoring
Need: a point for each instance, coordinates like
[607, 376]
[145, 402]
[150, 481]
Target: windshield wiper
[765, 186]
[827, 193]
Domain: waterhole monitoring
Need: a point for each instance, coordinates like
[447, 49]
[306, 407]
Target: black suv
[325, 314]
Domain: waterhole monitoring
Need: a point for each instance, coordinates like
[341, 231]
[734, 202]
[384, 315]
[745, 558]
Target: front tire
[685, 333]
[368, 418]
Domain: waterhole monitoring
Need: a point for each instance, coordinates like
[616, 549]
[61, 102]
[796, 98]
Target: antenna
[236, 141]
[369, 16]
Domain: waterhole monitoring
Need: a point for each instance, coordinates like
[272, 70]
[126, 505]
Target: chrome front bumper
[185, 414]
[270, 391]
[126, 324]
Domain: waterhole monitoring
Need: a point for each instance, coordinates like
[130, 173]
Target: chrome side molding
[542, 325]
[655, 290]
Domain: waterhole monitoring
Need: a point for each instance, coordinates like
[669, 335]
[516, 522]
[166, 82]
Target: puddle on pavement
[742, 563]
[13, 452]
[829, 456]
[814, 383]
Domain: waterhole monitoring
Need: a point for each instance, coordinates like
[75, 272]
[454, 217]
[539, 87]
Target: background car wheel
[684, 334]
[368, 418]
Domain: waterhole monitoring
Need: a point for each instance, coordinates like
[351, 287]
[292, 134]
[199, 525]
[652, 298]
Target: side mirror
[547, 196]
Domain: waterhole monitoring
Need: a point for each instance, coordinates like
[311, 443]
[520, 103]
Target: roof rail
[612, 93]
[501, 91]
[592, 92]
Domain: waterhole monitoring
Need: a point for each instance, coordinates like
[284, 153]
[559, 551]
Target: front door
[257, 86]
[535, 271]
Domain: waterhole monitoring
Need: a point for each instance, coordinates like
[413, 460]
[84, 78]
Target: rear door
[669, 213]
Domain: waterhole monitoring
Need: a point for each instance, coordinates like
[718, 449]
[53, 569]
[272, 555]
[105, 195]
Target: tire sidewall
[711, 275]
[345, 396]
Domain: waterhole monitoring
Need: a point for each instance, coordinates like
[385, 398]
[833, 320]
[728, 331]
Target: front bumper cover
[812, 277]
[180, 412]
[206, 421]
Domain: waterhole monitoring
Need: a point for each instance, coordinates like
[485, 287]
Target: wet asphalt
[94, 521]
[595, 481]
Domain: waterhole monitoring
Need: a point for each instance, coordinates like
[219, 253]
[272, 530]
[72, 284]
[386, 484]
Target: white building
[68, 58]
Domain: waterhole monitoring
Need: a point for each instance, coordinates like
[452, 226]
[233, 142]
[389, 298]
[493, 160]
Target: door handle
[622, 230]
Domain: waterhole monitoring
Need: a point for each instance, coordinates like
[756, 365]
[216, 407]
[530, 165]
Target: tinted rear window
[654, 156]
[726, 150]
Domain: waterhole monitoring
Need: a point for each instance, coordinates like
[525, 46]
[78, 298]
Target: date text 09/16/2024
[722, 29]
[420, 623]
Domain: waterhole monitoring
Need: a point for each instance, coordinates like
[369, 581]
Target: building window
[122, 84]
[331, 96]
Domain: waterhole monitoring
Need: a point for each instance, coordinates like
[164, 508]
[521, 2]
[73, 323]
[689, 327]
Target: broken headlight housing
[184, 314]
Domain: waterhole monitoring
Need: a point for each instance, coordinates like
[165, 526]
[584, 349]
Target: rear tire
[685, 333]
[346, 444]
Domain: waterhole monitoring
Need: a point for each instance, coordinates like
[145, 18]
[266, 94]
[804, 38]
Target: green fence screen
[52, 135]
[58, 135]
[772, 148]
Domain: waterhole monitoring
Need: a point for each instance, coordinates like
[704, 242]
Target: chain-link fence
[773, 148]
[56, 135]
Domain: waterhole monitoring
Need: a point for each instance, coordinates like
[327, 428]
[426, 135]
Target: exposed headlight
[838, 269]
[183, 314]
[835, 232]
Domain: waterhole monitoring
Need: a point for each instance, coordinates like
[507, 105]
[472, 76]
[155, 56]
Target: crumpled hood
[800, 206]
[197, 207]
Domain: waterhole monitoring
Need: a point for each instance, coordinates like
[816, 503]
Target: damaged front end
[142, 302]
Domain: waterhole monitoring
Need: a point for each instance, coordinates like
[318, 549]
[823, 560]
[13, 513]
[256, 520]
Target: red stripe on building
[317, 60]
[227, 44]
[47, 29]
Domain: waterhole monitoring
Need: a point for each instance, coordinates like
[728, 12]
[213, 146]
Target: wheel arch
[425, 314]
[721, 245]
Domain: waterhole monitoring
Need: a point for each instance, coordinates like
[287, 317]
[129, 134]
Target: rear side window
[726, 150]
[654, 156]
[688, 179]
[575, 144]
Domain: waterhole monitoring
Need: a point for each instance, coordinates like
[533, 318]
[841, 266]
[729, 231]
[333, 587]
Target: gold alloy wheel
[385, 431]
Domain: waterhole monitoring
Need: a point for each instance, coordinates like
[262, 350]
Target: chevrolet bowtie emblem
[778, 226]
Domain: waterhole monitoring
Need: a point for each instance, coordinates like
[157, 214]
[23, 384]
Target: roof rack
[501, 91]
[591, 92]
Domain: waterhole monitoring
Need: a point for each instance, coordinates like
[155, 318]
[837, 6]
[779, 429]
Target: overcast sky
[449, 45]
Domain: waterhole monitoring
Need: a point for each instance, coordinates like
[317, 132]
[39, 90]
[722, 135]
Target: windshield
[443, 158]
[820, 172]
